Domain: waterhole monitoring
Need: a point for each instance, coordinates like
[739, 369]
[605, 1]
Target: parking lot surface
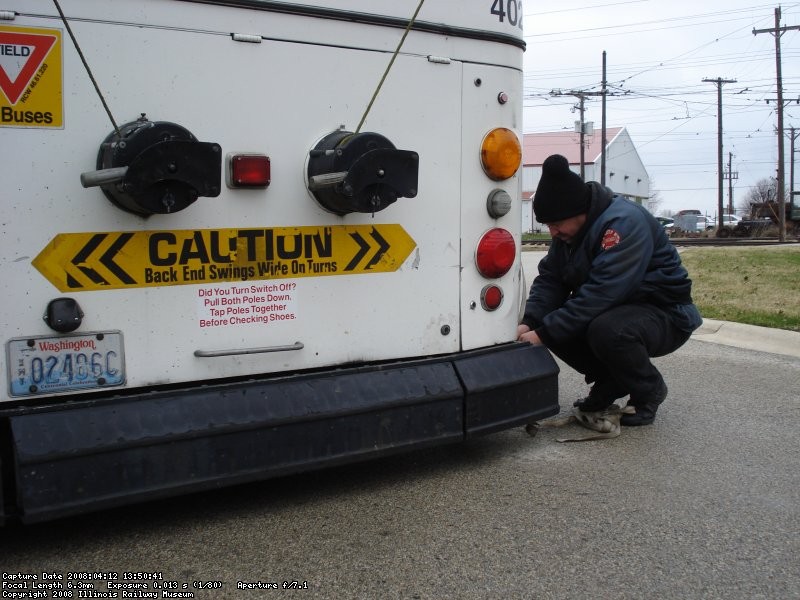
[704, 503]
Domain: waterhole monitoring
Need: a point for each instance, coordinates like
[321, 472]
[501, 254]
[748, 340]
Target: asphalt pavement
[702, 504]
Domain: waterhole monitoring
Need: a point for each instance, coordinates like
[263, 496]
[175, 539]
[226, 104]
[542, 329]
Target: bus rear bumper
[84, 455]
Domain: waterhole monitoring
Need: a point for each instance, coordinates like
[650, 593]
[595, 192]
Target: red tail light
[496, 253]
[249, 170]
[491, 297]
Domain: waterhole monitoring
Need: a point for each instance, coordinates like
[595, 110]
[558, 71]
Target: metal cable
[86, 66]
[389, 67]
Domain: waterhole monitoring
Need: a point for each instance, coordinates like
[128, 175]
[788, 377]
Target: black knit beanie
[561, 193]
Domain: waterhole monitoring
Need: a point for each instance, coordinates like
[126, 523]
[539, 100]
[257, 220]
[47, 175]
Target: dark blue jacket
[621, 255]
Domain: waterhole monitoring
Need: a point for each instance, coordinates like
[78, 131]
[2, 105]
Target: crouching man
[611, 292]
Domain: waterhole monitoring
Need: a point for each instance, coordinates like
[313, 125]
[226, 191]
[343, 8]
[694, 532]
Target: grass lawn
[536, 237]
[758, 286]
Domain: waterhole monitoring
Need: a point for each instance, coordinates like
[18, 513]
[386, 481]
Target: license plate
[53, 364]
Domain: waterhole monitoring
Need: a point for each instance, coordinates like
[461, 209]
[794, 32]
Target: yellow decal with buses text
[76, 262]
[31, 78]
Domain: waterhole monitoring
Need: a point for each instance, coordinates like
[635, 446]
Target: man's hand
[524, 334]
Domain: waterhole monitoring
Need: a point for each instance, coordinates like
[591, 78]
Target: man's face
[566, 229]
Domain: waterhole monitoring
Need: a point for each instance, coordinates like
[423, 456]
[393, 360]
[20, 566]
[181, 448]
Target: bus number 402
[508, 9]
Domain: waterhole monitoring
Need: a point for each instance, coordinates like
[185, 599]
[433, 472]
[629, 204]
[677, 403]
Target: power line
[717, 14]
[675, 116]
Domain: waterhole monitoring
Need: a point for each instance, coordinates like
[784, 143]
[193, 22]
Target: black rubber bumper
[96, 453]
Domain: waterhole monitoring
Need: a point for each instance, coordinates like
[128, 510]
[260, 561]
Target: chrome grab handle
[103, 176]
[237, 352]
[317, 182]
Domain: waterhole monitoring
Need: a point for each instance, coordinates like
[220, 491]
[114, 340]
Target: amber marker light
[501, 153]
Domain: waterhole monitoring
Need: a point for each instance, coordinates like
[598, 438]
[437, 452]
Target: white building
[625, 172]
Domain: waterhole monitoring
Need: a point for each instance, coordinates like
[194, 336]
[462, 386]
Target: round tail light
[491, 297]
[501, 153]
[496, 253]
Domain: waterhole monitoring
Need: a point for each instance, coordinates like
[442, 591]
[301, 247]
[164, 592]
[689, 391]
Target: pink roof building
[625, 172]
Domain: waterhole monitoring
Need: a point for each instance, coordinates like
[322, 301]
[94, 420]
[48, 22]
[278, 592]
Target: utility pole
[777, 31]
[792, 136]
[582, 97]
[730, 176]
[719, 81]
[582, 136]
[580, 127]
[603, 140]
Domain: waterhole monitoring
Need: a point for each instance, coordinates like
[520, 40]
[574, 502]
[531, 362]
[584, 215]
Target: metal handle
[237, 352]
[317, 182]
[103, 176]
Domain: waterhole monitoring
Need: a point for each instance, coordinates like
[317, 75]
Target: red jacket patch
[610, 239]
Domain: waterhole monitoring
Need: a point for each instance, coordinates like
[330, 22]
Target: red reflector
[496, 253]
[491, 297]
[249, 170]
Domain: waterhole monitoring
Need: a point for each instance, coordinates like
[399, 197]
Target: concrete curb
[763, 339]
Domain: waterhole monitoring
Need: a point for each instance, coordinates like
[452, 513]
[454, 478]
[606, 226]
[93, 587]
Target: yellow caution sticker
[31, 78]
[76, 262]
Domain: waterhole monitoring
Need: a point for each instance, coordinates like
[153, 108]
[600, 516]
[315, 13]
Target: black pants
[615, 352]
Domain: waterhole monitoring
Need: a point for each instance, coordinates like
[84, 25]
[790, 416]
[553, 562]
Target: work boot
[592, 404]
[645, 409]
[601, 396]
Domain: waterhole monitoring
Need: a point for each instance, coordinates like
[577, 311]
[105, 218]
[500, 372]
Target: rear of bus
[240, 256]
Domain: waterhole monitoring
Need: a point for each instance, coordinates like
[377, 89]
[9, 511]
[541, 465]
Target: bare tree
[765, 190]
[654, 201]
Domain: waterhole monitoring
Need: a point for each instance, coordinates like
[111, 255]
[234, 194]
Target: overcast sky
[658, 53]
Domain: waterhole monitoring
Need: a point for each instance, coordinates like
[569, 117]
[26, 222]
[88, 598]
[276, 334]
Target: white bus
[246, 238]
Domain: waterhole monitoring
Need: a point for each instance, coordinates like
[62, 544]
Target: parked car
[667, 223]
[727, 221]
[703, 223]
